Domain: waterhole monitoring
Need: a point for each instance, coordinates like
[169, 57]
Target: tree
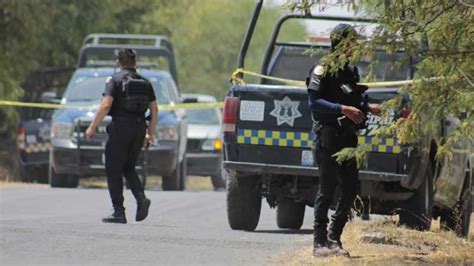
[439, 34]
[29, 39]
[207, 36]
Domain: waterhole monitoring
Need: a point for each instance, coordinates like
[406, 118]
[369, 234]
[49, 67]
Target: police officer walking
[127, 97]
[338, 111]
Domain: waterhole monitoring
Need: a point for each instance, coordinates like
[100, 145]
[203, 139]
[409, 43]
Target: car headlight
[167, 133]
[62, 130]
[212, 145]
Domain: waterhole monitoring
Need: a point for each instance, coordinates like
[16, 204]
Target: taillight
[231, 110]
[21, 138]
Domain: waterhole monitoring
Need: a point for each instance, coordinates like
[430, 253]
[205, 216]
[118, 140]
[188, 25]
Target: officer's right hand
[353, 114]
[90, 131]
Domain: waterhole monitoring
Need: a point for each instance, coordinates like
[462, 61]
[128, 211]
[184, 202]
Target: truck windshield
[90, 88]
[203, 116]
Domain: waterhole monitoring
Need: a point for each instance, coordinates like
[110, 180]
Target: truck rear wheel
[290, 215]
[458, 218]
[418, 210]
[62, 180]
[244, 202]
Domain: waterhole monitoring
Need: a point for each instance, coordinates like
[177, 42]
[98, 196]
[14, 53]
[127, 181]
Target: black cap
[341, 32]
[126, 52]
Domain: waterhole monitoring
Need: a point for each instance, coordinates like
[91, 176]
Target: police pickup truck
[268, 148]
[72, 156]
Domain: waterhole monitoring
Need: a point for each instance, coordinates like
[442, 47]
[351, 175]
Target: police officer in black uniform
[338, 111]
[127, 96]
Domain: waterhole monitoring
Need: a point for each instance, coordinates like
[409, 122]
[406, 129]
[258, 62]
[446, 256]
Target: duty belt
[128, 119]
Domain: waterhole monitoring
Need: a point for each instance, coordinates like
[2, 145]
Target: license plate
[307, 158]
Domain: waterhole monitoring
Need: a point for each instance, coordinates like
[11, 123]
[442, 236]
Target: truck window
[295, 63]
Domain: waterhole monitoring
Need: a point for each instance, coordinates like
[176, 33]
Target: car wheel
[290, 215]
[219, 180]
[172, 182]
[62, 180]
[244, 202]
[458, 218]
[183, 174]
[418, 210]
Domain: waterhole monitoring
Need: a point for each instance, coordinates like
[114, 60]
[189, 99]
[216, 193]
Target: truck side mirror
[50, 97]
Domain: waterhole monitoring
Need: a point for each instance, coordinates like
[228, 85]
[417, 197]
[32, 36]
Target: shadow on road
[285, 232]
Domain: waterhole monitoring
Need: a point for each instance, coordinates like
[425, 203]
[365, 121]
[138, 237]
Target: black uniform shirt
[113, 87]
[326, 96]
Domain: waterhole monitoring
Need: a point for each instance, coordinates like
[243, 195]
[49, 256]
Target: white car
[204, 147]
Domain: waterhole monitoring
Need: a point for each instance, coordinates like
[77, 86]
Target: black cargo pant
[126, 136]
[329, 140]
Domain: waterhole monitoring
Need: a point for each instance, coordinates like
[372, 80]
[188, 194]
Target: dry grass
[401, 246]
[14, 184]
[193, 183]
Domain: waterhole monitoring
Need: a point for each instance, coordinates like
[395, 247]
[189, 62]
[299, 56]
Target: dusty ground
[193, 183]
[401, 246]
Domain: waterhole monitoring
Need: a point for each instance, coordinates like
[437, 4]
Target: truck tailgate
[274, 125]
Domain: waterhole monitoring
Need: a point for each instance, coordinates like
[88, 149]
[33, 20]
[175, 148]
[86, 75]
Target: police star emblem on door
[286, 111]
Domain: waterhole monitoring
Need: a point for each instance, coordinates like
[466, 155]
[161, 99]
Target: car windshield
[203, 116]
[90, 88]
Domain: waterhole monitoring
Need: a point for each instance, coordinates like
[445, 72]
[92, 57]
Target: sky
[317, 27]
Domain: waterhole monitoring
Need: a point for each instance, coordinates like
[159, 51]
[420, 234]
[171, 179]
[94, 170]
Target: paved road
[39, 225]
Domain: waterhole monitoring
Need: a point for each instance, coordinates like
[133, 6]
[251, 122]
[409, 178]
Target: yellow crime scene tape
[234, 78]
[383, 84]
[92, 107]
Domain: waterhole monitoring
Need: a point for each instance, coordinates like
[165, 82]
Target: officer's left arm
[104, 109]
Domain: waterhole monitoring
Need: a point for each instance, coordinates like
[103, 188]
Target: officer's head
[126, 58]
[343, 33]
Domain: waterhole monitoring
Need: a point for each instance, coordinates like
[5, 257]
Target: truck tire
[290, 215]
[458, 219]
[244, 202]
[62, 180]
[418, 210]
[25, 174]
[174, 182]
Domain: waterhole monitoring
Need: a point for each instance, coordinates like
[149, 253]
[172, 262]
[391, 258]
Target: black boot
[336, 246]
[321, 250]
[334, 239]
[143, 204]
[320, 247]
[118, 216]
